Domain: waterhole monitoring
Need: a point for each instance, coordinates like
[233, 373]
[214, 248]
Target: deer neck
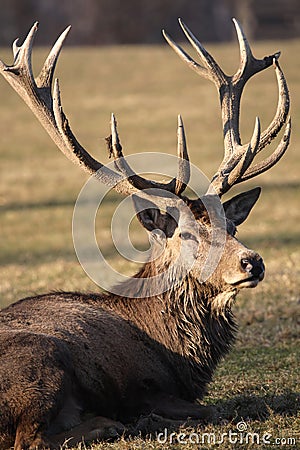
[205, 326]
[191, 318]
[204, 319]
[191, 323]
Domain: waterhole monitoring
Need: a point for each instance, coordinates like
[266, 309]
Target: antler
[46, 105]
[238, 158]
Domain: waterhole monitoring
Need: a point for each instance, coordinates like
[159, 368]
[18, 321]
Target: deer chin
[249, 282]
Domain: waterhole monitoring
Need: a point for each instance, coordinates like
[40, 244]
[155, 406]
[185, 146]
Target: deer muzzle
[250, 271]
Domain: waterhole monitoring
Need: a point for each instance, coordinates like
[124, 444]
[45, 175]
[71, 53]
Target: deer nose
[254, 266]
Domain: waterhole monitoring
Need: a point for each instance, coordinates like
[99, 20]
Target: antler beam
[238, 158]
[46, 105]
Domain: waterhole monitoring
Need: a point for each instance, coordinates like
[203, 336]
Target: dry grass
[146, 87]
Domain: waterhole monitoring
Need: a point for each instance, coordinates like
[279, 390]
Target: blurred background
[98, 22]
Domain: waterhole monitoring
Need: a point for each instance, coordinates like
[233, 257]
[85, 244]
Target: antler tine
[45, 78]
[269, 162]
[282, 111]
[214, 71]
[245, 49]
[184, 170]
[120, 162]
[22, 54]
[249, 65]
[186, 57]
[176, 185]
[75, 151]
[245, 161]
[233, 169]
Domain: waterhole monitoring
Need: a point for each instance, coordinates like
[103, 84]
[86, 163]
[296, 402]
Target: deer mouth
[249, 282]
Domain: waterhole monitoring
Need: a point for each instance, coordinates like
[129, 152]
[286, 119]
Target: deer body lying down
[79, 365]
[119, 357]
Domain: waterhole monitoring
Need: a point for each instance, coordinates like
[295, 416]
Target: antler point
[35, 26]
[237, 24]
[182, 24]
[276, 57]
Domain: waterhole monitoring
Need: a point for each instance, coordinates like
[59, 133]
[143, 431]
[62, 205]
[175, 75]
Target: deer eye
[186, 236]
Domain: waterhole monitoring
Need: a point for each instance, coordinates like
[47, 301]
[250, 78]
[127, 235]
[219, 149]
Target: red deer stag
[90, 366]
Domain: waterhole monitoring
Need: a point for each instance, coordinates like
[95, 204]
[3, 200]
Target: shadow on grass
[238, 409]
[113, 196]
[53, 203]
[291, 239]
[258, 407]
[36, 257]
[37, 206]
[289, 186]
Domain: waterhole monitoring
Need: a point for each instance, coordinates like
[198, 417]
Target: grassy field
[146, 87]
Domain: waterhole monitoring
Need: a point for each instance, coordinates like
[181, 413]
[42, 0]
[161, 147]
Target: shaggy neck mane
[192, 319]
[204, 320]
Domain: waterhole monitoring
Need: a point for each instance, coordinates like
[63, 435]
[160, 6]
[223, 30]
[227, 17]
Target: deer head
[183, 230]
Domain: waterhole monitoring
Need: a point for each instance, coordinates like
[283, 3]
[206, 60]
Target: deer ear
[238, 208]
[150, 216]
